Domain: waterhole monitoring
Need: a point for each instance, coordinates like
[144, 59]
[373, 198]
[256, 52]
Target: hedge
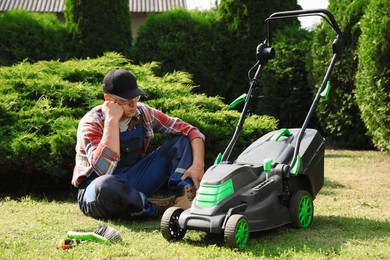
[42, 103]
[99, 26]
[32, 36]
[373, 77]
[187, 41]
[340, 116]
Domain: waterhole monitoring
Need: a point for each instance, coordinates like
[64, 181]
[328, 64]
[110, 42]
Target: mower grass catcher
[273, 182]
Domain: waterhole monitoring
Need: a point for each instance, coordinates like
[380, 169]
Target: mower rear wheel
[169, 226]
[236, 233]
[301, 209]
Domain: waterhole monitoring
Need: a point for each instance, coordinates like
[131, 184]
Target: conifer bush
[373, 77]
[42, 103]
[339, 116]
[98, 26]
[32, 36]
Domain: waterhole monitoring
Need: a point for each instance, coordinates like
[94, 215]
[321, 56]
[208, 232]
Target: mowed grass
[352, 213]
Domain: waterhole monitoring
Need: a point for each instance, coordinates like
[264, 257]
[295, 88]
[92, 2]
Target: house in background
[139, 9]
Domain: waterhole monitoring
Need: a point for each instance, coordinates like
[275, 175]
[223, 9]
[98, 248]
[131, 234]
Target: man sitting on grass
[114, 178]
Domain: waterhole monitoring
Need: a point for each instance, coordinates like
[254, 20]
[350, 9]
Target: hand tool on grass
[103, 234]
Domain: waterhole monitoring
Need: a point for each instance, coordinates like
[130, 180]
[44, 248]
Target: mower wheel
[301, 209]
[169, 226]
[236, 233]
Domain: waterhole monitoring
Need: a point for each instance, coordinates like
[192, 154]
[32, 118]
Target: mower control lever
[267, 164]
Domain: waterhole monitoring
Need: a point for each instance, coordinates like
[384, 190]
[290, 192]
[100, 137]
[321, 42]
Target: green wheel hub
[237, 231]
[305, 211]
[242, 233]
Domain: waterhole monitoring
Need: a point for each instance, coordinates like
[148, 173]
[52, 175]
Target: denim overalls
[124, 193]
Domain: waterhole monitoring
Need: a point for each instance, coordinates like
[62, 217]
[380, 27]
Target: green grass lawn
[352, 221]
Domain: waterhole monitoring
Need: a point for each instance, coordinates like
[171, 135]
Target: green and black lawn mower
[273, 182]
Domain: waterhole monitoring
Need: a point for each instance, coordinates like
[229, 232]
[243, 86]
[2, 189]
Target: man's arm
[165, 124]
[196, 170]
[113, 113]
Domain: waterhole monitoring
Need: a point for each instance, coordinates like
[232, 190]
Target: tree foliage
[34, 37]
[340, 115]
[184, 40]
[286, 94]
[98, 26]
[373, 78]
[244, 23]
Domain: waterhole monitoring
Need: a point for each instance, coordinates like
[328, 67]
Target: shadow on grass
[66, 194]
[326, 236]
[328, 183]
[339, 156]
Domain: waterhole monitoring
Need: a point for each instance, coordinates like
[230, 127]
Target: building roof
[146, 6]
[57, 6]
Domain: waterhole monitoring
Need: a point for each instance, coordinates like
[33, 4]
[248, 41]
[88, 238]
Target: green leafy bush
[373, 78]
[42, 103]
[284, 81]
[244, 24]
[340, 116]
[98, 26]
[186, 41]
[31, 36]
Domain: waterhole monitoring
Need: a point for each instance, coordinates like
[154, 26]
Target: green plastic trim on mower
[280, 133]
[210, 195]
[297, 165]
[324, 94]
[238, 100]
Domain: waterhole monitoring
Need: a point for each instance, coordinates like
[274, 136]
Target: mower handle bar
[299, 13]
[266, 52]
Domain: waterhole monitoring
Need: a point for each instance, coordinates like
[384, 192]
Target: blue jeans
[124, 193]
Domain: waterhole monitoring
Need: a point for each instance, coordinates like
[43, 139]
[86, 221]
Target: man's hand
[112, 111]
[195, 173]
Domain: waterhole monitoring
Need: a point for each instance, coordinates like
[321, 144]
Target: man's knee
[106, 184]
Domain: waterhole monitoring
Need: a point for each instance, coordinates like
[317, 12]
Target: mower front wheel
[169, 226]
[236, 233]
[301, 209]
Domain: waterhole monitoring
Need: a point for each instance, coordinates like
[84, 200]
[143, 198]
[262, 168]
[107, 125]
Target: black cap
[121, 83]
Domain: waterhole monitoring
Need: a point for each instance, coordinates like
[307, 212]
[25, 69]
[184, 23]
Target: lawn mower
[273, 182]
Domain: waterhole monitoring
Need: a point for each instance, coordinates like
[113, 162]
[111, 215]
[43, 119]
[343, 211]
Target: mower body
[245, 188]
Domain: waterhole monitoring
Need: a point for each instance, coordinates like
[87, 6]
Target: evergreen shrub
[186, 41]
[373, 78]
[284, 87]
[244, 24]
[31, 36]
[42, 103]
[98, 26]
[340, 116]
